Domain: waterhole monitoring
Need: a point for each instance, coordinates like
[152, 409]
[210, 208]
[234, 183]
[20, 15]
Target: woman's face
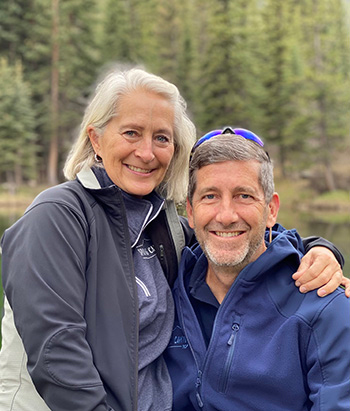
[138, 143]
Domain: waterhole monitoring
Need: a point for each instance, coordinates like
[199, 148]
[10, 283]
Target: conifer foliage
[280, 68]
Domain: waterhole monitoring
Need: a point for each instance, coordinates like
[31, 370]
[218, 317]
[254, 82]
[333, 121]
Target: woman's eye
[162, 139]
[130, 133]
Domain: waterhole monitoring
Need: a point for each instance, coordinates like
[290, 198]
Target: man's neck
[220, 280]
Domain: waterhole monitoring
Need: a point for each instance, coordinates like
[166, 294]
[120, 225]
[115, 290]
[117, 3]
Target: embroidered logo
[178, 339]
[146, 250]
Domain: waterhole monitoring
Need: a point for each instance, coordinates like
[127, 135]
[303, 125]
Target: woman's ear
[94, 138]
[273, 208]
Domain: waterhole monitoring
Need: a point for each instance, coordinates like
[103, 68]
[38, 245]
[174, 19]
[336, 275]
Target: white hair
[102, 109]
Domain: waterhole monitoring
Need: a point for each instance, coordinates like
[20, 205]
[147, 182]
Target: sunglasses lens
[206, 137]
[249, 135]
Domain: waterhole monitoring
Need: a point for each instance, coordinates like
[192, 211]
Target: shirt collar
[197, 286]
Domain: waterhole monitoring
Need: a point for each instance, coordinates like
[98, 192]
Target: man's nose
[227, 213]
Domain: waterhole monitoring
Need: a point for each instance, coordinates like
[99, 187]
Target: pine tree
[327, 51]
[116, 42]
[28, 38]
[78, 66]
[229, 83]
[168, 40]
[187, 51]
[17, 125]
[284, 79]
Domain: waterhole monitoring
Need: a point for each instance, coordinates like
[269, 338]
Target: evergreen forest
[278, 67]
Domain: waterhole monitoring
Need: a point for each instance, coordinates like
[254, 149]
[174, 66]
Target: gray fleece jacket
[68, 275]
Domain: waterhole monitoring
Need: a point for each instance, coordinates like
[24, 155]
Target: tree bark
[53, 154]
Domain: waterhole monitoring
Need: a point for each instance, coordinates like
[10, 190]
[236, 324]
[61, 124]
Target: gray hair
[231, 147]
[102, 109]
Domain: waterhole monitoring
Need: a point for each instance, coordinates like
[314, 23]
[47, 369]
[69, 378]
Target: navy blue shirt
[203, 300]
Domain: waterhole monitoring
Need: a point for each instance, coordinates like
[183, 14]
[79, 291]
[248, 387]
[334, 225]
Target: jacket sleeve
[44, 260]
[313, 241]
[328, 357]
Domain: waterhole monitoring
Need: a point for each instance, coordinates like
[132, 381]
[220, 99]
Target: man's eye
[245, 198]
[209, 196]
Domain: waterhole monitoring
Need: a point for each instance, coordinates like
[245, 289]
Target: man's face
[229, 213]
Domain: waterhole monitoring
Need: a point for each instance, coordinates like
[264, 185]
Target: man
[244, 337]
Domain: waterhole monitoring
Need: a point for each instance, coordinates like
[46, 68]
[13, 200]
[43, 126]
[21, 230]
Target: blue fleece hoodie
[272, 348]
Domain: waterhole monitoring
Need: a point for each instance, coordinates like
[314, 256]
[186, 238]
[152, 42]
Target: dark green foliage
[230, 86]
[17, 124]
[280, 68]
[327, 75]
[117, 29]
[27, 37]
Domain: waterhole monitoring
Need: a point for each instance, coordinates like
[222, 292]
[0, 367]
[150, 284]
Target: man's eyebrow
[237, 189]
[245, 189]
[204, 190]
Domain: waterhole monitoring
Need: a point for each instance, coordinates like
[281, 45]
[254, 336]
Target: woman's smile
[137, 145]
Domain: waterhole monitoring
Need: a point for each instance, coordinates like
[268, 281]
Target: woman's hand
[319, 268]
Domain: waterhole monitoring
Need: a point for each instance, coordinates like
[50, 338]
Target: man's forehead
[237, 169]
[229, 174]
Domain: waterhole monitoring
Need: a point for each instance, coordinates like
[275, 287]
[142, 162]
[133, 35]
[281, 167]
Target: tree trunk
[326, 148]
[53, 154]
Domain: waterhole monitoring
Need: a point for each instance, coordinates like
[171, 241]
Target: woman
[92, 307]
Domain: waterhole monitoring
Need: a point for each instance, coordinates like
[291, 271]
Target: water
[337, 233]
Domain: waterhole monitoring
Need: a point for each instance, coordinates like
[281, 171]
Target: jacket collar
[88, 179]
[139, 212]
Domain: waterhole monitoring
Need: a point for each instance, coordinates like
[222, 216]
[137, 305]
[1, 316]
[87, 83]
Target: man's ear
[273, 208]
[94, 138]
[189, 213]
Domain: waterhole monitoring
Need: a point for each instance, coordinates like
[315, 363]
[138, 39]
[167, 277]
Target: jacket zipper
[231, 343]
[198, 385]
[199, 372]
[161, 252]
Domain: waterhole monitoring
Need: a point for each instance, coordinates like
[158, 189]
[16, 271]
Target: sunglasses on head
[247, 134]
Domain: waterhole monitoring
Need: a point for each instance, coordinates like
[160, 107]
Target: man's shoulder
[332, 308]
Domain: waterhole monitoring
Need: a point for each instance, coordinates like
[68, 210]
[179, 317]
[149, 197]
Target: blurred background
[279, 68]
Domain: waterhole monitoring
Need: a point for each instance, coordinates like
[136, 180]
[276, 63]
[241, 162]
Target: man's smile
[228, 233]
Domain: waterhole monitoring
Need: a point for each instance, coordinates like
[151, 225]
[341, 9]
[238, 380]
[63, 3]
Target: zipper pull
[199, 400]
[235, 328]
[198, 384]
[161, 252]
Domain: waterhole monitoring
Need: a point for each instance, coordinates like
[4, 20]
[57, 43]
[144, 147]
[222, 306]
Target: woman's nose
[145, 149]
